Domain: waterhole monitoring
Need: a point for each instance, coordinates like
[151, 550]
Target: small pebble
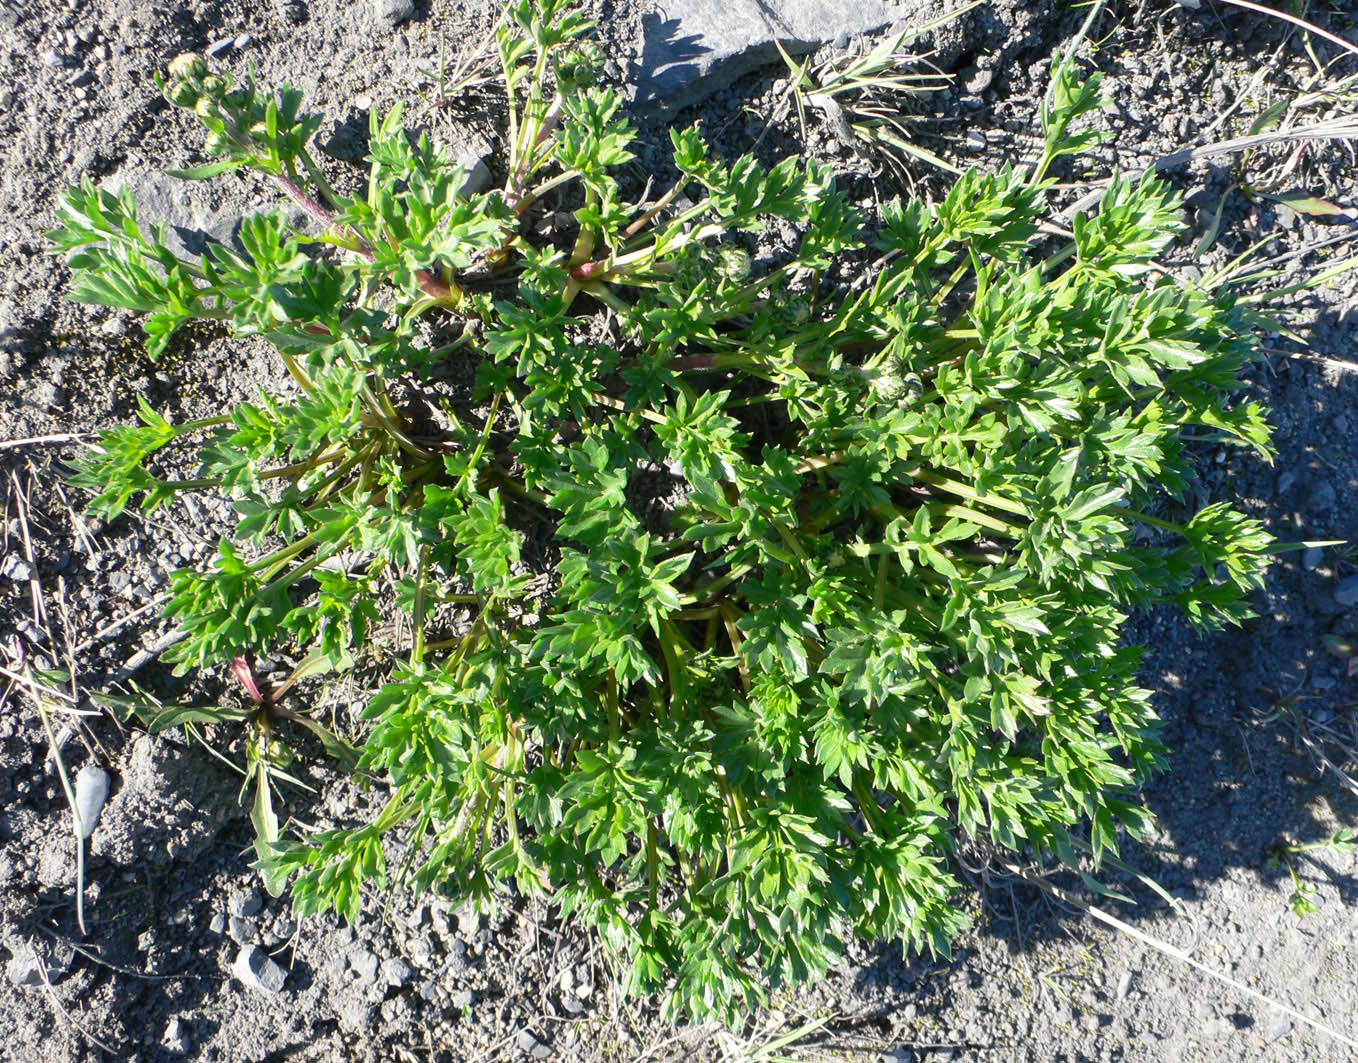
[242, 930]
[16, 569]
[245, 903]
[393, 12]
[218, 46]
[23, 967]
[530, 1044]
[174, 1038]
[1276, 1027]
[1346, 594]
[396, 972]
[980, 81]
[255, 970]
[364, 964]
[1311, 557]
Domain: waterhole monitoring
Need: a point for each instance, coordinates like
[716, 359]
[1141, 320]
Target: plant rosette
[738, 597]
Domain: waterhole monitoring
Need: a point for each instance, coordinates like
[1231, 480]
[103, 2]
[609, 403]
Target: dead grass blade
[1171, 951]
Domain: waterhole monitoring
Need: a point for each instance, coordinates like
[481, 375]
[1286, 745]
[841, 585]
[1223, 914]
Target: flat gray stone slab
[692, 48]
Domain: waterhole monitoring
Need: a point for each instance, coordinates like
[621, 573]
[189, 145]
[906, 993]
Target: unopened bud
[188, 66]
[213, 85]
[181, 94]
[205, 107]
[733, 263]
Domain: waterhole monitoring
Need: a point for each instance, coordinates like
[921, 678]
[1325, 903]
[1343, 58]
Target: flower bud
[205, 107]
[733, 263]
[213, 85]
[187, 66]
[182, 94]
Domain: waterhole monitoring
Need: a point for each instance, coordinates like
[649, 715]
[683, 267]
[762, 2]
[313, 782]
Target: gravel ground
[187, 959]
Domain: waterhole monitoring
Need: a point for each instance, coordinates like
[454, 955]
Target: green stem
[270, 563]
[288, 578]
[417, 610]
[1145, 518]
[652, 863]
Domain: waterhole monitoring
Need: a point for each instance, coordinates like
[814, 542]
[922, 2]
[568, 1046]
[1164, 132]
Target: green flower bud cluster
[579, 68]
[243, 123]
[184, 87]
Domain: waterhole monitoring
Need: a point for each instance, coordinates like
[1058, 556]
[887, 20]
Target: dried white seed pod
[91, 791]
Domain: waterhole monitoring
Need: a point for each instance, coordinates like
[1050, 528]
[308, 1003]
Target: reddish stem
[586, 270]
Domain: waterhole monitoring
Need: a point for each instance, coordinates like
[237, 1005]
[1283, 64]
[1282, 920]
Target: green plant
[1302, 891]
[739, 592]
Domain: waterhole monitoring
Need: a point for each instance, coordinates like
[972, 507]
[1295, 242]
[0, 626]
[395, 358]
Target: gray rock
[1275, 1027]
[364, 965]
[218, 924]
[175, 1037]
[698, 47]
[256, 970]
[1311, 557]
[397, 1011]
[1124, 985]
[396, 972]
[16, 568]
[241, 930]
[469, 923]
[392, 12]
[463, 998]
[245, 903]
[978, 82]
[528, 1043]
[283, 928]
[1346, 594]
[23, 967]
[421, 951]
[183, 207]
